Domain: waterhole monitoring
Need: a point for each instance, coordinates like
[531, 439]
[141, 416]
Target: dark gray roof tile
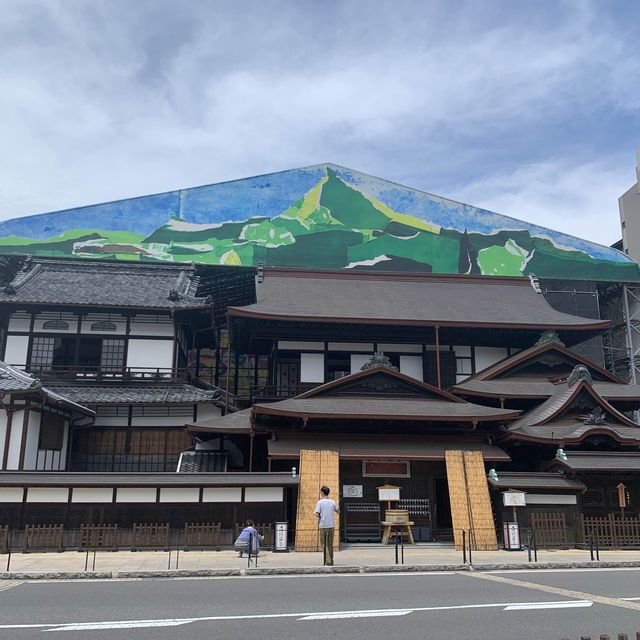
[122, 284]
[137, 394]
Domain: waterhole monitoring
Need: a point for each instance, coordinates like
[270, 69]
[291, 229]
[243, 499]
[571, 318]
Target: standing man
[325, 509]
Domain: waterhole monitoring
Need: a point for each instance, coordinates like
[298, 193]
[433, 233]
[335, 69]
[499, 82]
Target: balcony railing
[97, 373]
[278, 391]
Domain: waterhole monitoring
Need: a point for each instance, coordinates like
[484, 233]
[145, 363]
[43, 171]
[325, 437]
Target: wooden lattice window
[56, 325]
[593, 498]
[104, 325]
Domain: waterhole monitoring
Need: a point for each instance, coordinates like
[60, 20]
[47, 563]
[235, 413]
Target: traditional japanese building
[212, 354]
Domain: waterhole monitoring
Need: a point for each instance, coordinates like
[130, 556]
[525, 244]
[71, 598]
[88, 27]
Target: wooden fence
[98, 536]
[44, 537]
[202, 535]
[264, 529]
[611, 531]
[150, 536]
[550, 529]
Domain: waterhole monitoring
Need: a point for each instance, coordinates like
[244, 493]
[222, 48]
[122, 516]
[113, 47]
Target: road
[549, 605]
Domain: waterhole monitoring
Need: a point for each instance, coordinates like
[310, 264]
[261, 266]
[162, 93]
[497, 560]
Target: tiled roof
[596, 461]
[352, 447]
[537, 388]
[548, 421]
[549, 481]
[406, 299]
[122, 284]
[384, 408]
[238, 422]
[138, 394]
[13, 380]
[202, 462]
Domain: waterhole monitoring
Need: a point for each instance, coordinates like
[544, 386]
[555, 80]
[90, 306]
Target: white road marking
[10, 584]
[548, 605]
[123, 624]
[131, 624]
[358, 614]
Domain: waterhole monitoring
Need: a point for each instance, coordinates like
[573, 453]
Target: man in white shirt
[325, 510]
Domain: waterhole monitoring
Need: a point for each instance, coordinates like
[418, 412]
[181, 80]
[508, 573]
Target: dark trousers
[326, 540]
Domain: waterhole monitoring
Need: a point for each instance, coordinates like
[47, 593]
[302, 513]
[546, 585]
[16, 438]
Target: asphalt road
[549, 605]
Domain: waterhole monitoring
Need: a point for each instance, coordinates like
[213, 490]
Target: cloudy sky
[531, 109]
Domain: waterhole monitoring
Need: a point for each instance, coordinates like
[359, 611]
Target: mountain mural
[323, 216]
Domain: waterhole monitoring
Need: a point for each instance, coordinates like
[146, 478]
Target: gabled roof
[384, 394]
[97, 283]
[505, 366]
[379, 380]
[407, 299]
[16, 382]
[547, 422]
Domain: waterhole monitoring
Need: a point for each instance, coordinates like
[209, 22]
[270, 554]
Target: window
[60, 325]
[51, 432]
[42, 350]
[112, 358]
[104, 325]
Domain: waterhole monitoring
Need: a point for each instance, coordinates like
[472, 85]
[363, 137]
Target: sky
[528, 108]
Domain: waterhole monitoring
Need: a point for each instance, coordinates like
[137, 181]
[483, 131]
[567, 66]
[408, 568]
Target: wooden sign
[386, 469]
[388, 492]
[622, 495]
[514, 499]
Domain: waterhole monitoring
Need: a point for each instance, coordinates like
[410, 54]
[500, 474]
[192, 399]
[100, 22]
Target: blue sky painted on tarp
[268, 196]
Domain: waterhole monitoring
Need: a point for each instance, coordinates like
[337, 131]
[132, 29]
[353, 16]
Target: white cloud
[105, 100]
[558, 195]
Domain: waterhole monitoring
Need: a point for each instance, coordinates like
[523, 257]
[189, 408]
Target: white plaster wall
[180, 494]
[16, 350]
[351, 346]
[69, 318]
[150, 354]
[11, 494]
[31, 444]
[299, 345]
[486, 356]
[92, 494]
[19, 322]
[150, 328]
[130, 494]
[539, 498]
[263, 494]
[357, 360]
[15, 440]
[411, 366]
[312, 367]
[47, 494]
[462, 351]
[119, 321]
[222, 494]
[160, 421]
[399, 348]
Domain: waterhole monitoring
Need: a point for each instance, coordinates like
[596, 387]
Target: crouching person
[249, 538]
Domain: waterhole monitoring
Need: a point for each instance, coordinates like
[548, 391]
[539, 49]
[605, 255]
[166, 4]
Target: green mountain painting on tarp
[319, 217]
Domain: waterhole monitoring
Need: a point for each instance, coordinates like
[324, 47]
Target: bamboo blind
[317, 468]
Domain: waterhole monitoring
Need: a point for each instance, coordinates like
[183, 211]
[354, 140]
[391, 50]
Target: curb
[293, 571]
[56, 575]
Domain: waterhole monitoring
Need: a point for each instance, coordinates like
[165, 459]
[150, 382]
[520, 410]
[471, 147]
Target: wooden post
[438, 375]
[226, 398]
[251, 451]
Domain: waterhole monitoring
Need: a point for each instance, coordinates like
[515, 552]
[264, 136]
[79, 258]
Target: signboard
[511, 532]
[388, 492]
[281, 542]
[514, 499]
[352, 491]
[386, 469]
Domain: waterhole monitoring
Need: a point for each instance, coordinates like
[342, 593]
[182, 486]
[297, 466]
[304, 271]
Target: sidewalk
[349, 559]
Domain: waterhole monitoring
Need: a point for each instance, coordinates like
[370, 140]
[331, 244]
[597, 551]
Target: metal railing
[99, 373]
